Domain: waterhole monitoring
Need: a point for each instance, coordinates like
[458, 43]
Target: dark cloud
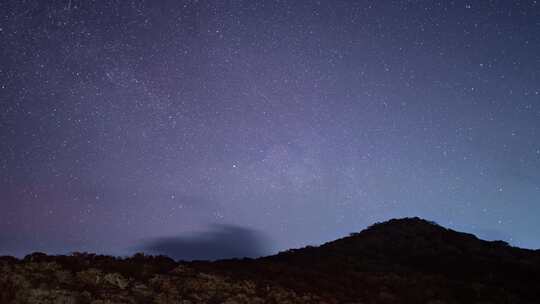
[219, 242]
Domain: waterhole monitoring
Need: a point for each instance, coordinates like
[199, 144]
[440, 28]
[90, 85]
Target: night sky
[133, 125]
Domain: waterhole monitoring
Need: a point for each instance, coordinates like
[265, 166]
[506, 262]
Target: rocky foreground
[38, 279]
[399, 261]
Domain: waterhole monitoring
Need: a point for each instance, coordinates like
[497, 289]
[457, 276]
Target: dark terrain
[400, 261]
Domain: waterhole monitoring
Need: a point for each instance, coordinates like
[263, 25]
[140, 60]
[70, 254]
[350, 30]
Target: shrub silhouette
[400, 261]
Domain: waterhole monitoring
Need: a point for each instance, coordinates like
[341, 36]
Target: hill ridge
[408, 260]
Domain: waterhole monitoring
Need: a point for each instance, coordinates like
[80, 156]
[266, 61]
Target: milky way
[303, 121]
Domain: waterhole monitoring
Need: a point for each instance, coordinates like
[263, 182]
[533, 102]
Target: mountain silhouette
[407, 260]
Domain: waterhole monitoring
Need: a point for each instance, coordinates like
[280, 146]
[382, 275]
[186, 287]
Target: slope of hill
[400, 261]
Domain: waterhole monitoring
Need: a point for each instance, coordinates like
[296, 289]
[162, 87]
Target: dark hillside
[411, 259]
[400, 261]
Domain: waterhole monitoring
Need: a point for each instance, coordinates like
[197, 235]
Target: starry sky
[124, 124]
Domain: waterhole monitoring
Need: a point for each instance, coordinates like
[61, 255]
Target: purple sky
[299, 121]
